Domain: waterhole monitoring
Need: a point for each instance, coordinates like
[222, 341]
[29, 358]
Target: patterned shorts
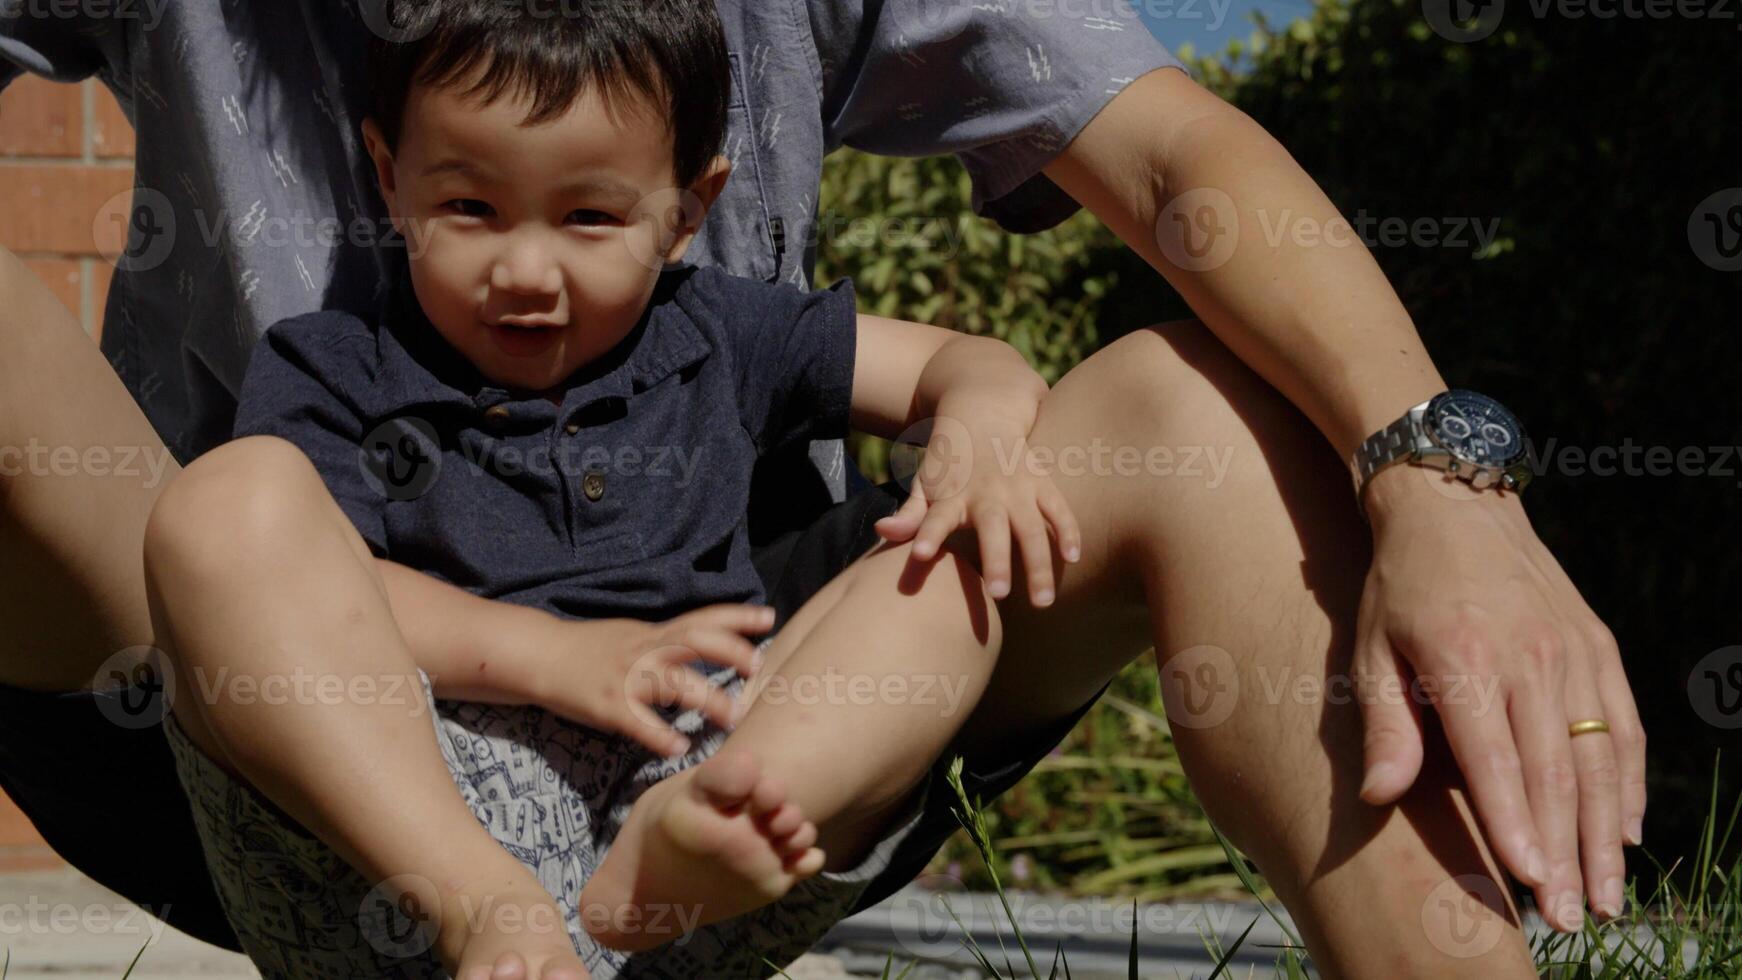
[554, 793]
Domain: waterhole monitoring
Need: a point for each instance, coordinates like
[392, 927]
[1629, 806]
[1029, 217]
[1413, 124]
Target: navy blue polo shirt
[628, 499]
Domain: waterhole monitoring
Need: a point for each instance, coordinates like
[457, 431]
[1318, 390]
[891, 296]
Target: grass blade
[133, 964]
[971, 944]
[1228, 956]
[969, 815]
[1251, 884]
[1133, 939]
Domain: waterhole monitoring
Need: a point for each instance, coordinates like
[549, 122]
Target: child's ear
[699, 199]
[382, 156]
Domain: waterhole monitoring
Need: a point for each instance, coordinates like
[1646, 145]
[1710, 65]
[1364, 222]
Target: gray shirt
[255, 201]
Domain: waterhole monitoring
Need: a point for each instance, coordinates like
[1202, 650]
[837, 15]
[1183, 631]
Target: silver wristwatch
[1467, 434]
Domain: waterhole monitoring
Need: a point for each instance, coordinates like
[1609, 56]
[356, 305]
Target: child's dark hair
[670, 52]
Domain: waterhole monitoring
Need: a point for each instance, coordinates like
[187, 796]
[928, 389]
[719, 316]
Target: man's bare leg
[256, 577]
[1246, 576]
[71, 587]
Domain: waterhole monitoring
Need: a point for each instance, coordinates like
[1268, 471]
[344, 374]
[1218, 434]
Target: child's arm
[981, 392]
[604, 673]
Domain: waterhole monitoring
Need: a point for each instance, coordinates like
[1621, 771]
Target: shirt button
[496, 415]
[573, 428]
[593, 485]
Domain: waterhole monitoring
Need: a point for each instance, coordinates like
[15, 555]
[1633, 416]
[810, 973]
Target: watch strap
[1401, 441]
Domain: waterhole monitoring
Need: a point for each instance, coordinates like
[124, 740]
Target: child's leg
[859, 695]
[269, 602]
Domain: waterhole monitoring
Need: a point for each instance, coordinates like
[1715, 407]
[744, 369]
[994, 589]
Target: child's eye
[589, 217]
[469, 208]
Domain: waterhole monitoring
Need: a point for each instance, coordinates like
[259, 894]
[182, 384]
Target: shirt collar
[418, 367]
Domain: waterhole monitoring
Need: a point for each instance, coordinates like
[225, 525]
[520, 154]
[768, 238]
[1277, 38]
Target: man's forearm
[1175, 172]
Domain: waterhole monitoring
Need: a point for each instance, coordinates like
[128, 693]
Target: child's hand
[968, 481]
[612, 672]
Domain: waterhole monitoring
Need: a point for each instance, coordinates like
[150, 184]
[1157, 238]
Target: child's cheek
[447, 281]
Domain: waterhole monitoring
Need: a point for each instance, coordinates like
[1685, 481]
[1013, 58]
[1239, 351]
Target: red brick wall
[65, 151]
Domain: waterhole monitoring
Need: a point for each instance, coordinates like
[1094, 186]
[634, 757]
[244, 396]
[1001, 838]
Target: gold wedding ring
[1587, 726]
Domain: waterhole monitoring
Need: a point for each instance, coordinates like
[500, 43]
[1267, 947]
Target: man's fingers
[1628, 736]
[1031, 536]
[1482, 743]
[1599, 805]
[1391, 728]
[1539, 720]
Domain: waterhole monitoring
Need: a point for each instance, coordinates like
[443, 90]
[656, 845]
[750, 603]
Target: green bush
[904, 230]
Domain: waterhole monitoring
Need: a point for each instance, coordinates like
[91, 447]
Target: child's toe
[798, 842]
[509, 966]
[729, 778]
[784, 821]
[563, 968]
[807, 864]
[768, 796]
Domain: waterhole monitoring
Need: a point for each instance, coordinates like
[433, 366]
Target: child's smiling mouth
[524, 336]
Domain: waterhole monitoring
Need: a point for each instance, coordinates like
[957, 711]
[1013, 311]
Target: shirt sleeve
[1020, 86]
[58, 41]
[794, 352]
[294, 389]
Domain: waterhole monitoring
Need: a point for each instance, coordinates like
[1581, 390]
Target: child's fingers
[738, 617]
[902, 524]
[646, 727]
[1064, 523]
[716, 646]
[692, 692]
[1030, 531]
[993, 528]
[940, 522]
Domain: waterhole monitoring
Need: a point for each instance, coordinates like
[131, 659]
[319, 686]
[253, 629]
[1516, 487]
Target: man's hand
[984, 476]
[609, 674]
[1464, 601]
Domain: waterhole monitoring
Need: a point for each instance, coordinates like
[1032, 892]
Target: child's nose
[527, 267]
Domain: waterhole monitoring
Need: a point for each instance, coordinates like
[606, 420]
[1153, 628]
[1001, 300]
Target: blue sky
[1210, 24]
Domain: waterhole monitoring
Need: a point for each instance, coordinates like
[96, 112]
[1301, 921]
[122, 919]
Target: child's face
[534, 250]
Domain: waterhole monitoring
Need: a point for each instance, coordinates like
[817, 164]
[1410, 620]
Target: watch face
[1475, 428]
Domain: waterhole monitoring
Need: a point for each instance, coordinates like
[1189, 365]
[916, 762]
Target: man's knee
[233, 501]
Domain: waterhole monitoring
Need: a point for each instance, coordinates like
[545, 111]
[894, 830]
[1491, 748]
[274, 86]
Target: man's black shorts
[106, 798]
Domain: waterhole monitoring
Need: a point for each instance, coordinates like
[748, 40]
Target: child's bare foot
[704, 845]
[506, 928]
